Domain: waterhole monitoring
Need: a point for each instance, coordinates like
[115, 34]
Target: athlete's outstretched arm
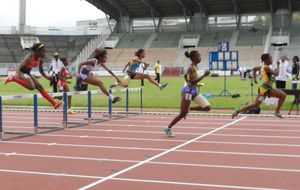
[125, 67]
[110, 72]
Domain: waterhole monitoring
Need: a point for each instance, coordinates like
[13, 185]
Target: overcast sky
[43, 13]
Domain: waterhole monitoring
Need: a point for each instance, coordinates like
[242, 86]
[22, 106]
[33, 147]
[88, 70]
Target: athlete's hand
[206, 73]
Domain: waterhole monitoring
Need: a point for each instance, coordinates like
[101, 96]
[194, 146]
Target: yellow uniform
[157, 68]
[265, 89]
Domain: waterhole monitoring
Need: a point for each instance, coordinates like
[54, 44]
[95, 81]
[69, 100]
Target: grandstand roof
[176, 8]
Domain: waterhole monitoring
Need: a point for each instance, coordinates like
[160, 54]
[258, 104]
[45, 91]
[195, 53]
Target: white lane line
[158, 155]
[196, 184]
[113, 138]
[145, 123]
[249, 143]
[139, 180]
[153, 149]
[167, 140]
[156, 163]
[200, 127]
[83, 145]
[258, 136]
[158, 132]
[48, 174]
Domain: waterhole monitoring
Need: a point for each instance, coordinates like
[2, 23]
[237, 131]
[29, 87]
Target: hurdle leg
[35, 113]
[89, 107]
[110, 106]
[1, 123]
[141, 100]
[65, 110]
[127, 102]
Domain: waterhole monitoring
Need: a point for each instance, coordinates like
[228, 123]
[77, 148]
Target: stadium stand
[252, 38]
[135, 40]
[11, 50]
[167, 40]
[209, 39]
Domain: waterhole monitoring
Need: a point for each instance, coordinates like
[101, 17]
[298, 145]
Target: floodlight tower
[22, 16]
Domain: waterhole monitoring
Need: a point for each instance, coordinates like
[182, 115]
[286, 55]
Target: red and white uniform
[62, 83]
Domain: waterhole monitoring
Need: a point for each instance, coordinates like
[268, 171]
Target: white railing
[28, 41]
[94, 43]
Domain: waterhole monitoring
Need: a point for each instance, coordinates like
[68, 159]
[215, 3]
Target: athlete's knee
[284, 95]
[183, 114]
[147, 76]
[100, 83]
[38, 87]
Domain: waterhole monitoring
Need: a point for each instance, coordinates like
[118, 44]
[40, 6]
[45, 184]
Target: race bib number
[188, 96]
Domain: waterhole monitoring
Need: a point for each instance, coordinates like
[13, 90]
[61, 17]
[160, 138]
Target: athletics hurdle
[66, 122]
[119, 115]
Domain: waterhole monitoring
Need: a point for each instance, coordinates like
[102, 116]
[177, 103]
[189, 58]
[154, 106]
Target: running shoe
[58, 105]
[278, 115]
[116, 99]
[70, 112]
[235, 113]
[169, 132]
[8, 79]
[163, 86]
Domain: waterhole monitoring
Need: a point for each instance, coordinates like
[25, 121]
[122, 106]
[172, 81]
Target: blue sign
[223, 59]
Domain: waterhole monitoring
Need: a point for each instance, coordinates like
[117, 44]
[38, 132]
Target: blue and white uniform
[191, 91]
[86, 69]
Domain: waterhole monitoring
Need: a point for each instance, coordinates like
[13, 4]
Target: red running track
[133, 153]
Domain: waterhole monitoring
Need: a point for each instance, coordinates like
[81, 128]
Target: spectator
[282, 66]
[157, 69]
[295, 71]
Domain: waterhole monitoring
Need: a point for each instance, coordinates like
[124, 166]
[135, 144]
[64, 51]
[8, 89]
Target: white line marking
[200, 127]
[140, 180]
[48, 174]
[51, 144]
[160, 127]
[144, 124]
[114, 138]
[252, 144]
[152, 149]
[195, 184]
[169, 140]
[10, 154]
[156, 163]
[158, 155]
[258, 136]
